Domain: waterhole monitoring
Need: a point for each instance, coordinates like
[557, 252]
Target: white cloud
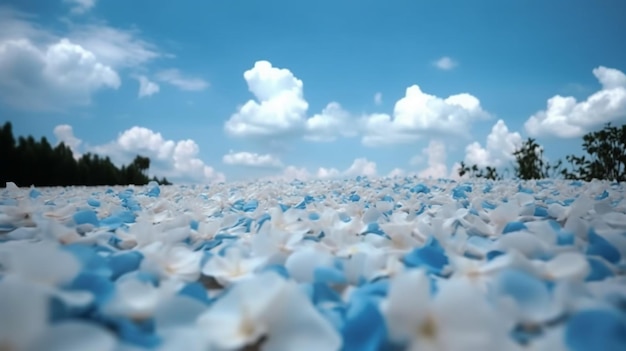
[279, 107]
[65, 134]
[43, 69]
[176, 160]
[80, 6]
[147, 87]
[419, 114]
[378, 98]
[334, 121]
[436, 158]
[115, 47]
[500, 146]
[251, 159]
[360, 166]
[291, 173]
[327, 173]
[567, 118]
[445, 63]
[176, 78]
[52, 77]
[396, 172]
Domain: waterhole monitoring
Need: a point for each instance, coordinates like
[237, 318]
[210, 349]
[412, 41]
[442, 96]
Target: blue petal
[596, 330]
[599, 246]
[420, 188]
[124, 263]
[90, 260]
[86, 217]
[93, 202]
[540, 211]
[196, 291]
[599, 270]
[34, 193]
[514, 226]
[432, 257]
[365, 327]
[323, 293]
[278, 268]
[493, 254]
[250, 206]
[526, 289]
[328, 275]
[101, 287]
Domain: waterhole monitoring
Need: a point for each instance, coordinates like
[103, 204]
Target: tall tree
[606, 151]
[32, 162]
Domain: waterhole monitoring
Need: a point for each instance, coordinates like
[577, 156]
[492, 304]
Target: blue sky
[213, 90]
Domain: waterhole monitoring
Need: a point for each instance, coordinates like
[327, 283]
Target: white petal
[568, 265]
[24, 311]
[408, 300]
[295, 324]
[75, 336]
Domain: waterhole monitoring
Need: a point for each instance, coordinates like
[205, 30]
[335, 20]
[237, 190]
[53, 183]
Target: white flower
[138, 300]
[269, 311]
[178, 261]
[457, 318]
[232, 266]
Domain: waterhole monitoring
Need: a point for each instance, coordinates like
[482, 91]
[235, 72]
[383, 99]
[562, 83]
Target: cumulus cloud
[176, 78]
[378, 98]
[436, 155]
[251, 159]
[279, 107]
[176, 160]
[565, 117]
[396, 172]
[80, 6]
[445, 63]
[42, 70]
[359, 167]
[147, 87]
[499, 149]
[333, 122]
[52, 77]
[419, 114]
[65, 134]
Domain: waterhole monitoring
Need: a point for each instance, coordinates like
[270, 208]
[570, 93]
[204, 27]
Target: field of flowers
[358, 264]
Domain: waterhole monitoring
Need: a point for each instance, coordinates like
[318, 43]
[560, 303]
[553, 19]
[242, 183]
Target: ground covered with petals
[359, 264]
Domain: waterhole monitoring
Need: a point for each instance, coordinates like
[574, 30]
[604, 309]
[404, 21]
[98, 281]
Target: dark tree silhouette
[530, 163]
[606, 149]
[30, 162]
[605, 159]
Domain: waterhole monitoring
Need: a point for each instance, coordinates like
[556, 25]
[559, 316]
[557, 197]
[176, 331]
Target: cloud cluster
[499, 148]
[51, 77]
[360, 166]
[176, 160]
[279, 108]
[419, 114]
[45, 70]
[330, 124]
[565, 117]
[251, 159]
[65, 134]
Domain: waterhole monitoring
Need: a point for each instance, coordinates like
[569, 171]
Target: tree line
[604, 158]
[27, 162]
